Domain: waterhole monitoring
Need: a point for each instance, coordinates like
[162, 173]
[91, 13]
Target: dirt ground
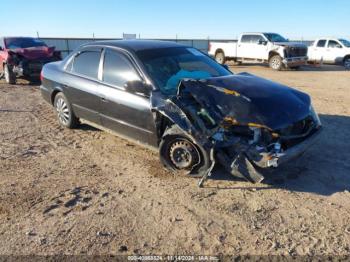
[86, 191]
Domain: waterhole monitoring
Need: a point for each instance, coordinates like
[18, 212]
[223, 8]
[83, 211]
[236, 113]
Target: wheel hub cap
[182, 154]
[62, 111]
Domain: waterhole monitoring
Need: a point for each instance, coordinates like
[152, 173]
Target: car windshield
[275, 37]
[345, 42]
[168, 66]
[23, 42]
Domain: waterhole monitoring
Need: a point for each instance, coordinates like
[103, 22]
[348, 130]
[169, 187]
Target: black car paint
[249, 100]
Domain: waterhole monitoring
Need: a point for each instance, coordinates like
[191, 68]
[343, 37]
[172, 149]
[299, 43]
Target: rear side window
[246, 38]
[321, 43]
[117, 69]
[86, 63]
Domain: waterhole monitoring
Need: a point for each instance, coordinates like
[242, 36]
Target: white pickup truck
[330, 51]
[261, 47]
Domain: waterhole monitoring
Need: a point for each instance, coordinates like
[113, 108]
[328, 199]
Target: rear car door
[123, 112]
[81, 83]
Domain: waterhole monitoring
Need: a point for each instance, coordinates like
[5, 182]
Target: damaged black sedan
[179, 100]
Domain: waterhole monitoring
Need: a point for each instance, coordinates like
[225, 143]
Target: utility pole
[37, 34]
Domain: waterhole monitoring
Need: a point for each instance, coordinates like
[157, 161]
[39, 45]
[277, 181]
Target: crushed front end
[244, 122]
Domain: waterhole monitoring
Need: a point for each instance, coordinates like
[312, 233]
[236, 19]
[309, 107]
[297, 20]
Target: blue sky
[165, 19]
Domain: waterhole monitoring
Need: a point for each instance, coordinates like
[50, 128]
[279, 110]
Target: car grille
[296, 51]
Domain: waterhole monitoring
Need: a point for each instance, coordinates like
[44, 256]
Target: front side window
[256, 38]
[23, 42]
[86, 63]
[321, 43]
[168, 66]
[333, 44]
[117, 69]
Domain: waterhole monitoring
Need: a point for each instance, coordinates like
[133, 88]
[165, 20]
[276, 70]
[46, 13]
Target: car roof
[136, 45]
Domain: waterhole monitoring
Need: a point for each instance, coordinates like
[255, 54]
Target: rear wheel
[275, 62]
[220, 57]
[65, 114]
[10, 77]
[179, 153]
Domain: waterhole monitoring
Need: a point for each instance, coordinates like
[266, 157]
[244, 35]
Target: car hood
[247, 99]
[290, 44]
[32, 53]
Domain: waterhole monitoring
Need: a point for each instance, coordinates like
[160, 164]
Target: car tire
[275, 62]
[178, 152]
[346, 63]
[64, 112]
[9, 76]
[220, 57]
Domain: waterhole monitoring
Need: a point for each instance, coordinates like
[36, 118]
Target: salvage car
[272, 48]
[175, 98]
[330, 51]
[24, 57]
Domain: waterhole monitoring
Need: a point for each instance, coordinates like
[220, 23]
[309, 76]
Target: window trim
[72, 58]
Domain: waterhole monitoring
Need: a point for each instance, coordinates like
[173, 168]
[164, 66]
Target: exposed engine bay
[244, 122]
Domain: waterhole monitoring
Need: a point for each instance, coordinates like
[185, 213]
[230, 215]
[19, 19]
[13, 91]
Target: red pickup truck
[24, 57]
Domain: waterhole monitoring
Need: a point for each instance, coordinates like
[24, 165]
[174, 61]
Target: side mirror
[262, 42]
[138, 87]
[338, 46]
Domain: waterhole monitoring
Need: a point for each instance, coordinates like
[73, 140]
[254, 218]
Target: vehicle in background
[24, 57]
[330, 51]
[261, 47]
[180, 101]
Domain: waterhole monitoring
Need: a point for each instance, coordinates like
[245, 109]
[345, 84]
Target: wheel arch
[219, 50]
[273, 53]
[54, 93]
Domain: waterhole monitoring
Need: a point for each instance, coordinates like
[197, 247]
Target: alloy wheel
[62, 111]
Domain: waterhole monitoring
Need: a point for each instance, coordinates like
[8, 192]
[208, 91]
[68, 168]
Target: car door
[333, 52]
[318, 51]
[81, 83]
[128, 114]
[249, 47]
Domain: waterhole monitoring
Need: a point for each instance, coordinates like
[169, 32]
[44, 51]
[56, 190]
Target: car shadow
[323, 169]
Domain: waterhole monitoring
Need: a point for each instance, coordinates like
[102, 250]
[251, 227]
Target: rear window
[321, 43]
[23, 42]
[87, 63]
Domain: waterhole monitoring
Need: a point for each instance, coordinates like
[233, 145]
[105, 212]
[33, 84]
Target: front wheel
[65, 114]
[179, 153]
[10, 77]
[275, 62]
